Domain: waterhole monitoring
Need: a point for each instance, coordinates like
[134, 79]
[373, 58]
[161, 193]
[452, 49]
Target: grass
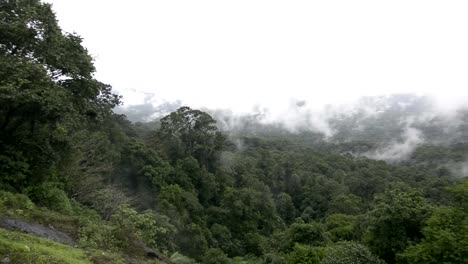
[26, 249]
[21, 248]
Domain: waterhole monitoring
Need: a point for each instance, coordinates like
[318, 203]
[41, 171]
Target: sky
[248, 53]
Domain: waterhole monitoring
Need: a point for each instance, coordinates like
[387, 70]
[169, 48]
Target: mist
[393, 125]
[398, 150]
[233, 131]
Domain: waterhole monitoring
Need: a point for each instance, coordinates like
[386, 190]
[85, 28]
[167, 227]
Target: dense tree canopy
[47, 91]
[187, 190]
[188, 132]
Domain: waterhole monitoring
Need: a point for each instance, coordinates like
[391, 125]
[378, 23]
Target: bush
[133, 230]
[95, 233]
[50, 196]
[14, 203]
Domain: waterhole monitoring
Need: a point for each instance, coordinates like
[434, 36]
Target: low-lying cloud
[397, 151]
[395, 125]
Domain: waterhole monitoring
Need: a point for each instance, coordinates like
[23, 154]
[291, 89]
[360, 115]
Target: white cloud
[398, 150]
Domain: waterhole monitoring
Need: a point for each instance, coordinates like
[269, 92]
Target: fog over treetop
[299, 115]
[385, 127]
[294, 181]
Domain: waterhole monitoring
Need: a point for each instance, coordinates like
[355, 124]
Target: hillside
[383, 183]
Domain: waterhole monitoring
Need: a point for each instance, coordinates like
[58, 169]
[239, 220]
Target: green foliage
[307, 233]
[249, 210]
[181, 259]
[47, 91]
[222, 237]
[445, 239]
[14, 168]
[459, 194]
[188, 132]
[215, 256]
[304, 254]
[94, 232]
[127, 230]
[318, 191]
[180, 205]
[20, 206]
[445, 234]
[87, 168]
[192, 240]
[395, 221]
[340, 227]
[246, 260]
[49, 195]
[285, 208]
[132, 229]
[346, 204]
[142, 166]
[349, 253]
[14, 203]
[271, 195]
[27, 249]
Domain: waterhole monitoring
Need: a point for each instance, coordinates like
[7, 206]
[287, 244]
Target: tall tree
[445, 234]
[396, 221]
[188, 132]
[47, 91]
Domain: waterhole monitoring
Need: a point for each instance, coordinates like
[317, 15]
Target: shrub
[50, 196]
[132, 229]
[95, 234]
[14, 203]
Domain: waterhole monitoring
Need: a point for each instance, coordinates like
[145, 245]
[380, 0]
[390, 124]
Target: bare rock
[36, 230]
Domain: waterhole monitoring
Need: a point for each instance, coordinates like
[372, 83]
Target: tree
[340, 227]
[318, 191]
[47, 91]
[285, 208]
[182, 206]
[346, 204]
[445, 234]
[249, 211]
[306, 233]
[215, 256]
[222, 237]
[304, 254]
[349, 253]
[395, 221]
[188, 132]
[192, 241]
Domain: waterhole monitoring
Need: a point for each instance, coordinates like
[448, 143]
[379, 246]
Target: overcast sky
[237, 54]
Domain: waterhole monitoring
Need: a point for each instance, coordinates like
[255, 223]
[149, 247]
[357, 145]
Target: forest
[206, 186]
